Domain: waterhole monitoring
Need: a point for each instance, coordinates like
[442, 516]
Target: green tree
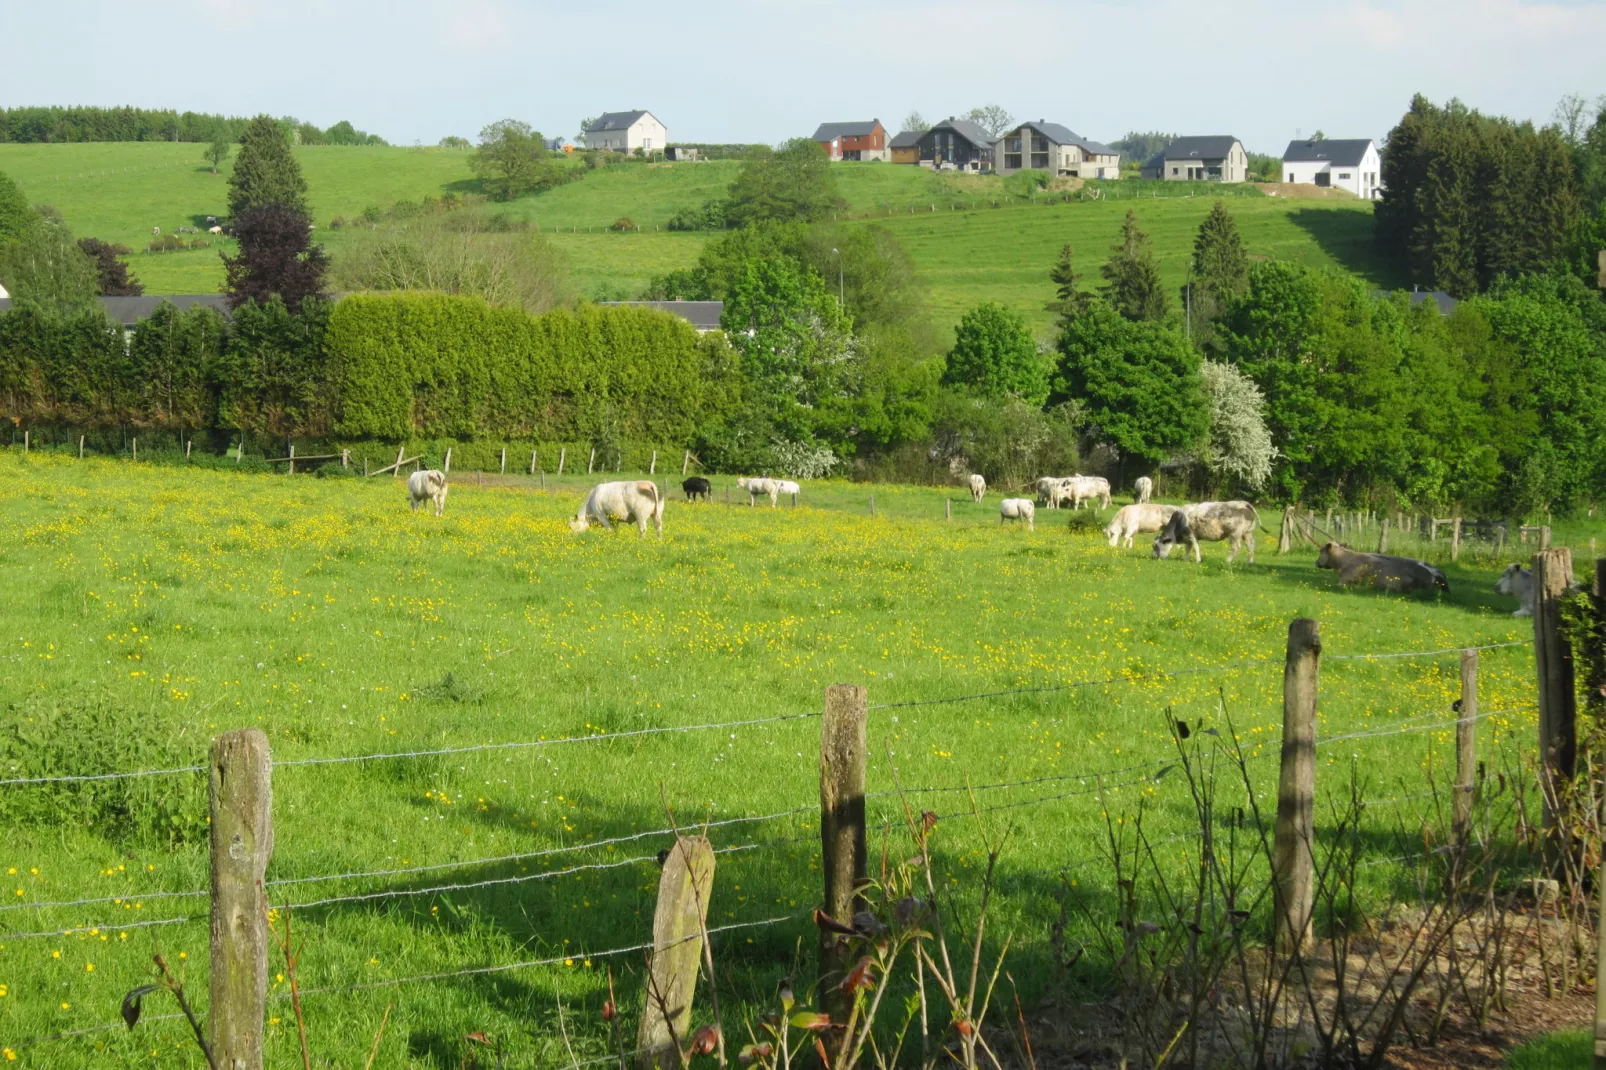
[44, 269]
[15, 215]
[1131, 279]
[995, 356]
[1136, 381]
[1070, 300]
[111, 273]
[218, 151]
[265, 172]
[794, 184]
[917, 122]
[512, 160]
[1220, 273]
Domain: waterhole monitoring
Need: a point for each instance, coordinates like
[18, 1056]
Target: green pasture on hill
[119, 191]
[151, 606]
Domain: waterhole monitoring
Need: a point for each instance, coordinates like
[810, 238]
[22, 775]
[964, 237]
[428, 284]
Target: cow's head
[579, 523]
[1324, 559]
[1175, 530]
[1507, 583]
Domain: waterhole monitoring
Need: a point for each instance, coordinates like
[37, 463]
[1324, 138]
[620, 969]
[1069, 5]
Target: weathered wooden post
[345, 458]
[136, 447]
[1383, 537]
[1455, 540]
[365, 466]
[446, 464]
[684, 461]
[1466, 748]
[652, 469]
[872, 505]
[592, 461]
[292, 458]
[844, 755]
[504, 460]
[1293, 864]
[241, 796]
[80, 447]
[1544, 536]
[534, 456]
[563, 455]
[947, 508]
[684, 889]
[25, 443]
[1285, 533]
[401, 454]
[1553, 655]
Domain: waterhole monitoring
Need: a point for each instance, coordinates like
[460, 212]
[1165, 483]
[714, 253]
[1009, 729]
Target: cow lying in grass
[427, 486]
[1382, 571]
[1517, 582]
[630, 501]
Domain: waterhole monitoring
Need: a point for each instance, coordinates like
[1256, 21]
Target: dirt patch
[1301, 191]
[1065, 184]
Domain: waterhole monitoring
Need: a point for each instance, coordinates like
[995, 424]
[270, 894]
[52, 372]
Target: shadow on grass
[1348, 237]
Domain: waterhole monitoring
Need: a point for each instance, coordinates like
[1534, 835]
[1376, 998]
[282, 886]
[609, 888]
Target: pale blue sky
[765, 70]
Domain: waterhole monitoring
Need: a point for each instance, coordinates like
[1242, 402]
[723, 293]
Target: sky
[414, 71]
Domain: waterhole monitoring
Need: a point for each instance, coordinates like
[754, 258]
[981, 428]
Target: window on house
[1344, 175]
[1012, 144]
[1040, 161]
[1012, 161]
[1039, 143]
[1173, 172]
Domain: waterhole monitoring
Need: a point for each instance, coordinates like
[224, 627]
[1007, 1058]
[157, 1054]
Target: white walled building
[1353, 164]
[627, 131]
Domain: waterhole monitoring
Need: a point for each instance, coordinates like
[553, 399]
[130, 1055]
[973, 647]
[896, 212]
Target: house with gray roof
[905, 148]
[1211, 158]
[1045, 146]
[956, 145]
[627, 131]
[1337, 163]
[854, 141]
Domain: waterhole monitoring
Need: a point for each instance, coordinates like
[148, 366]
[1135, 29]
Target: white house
[627, 131]
[1043, 146]
[1353, 164]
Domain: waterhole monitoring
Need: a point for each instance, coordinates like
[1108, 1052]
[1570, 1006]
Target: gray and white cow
[1382, 571]
[428, 485]
[1018, 509]
[1231, 522]
[1131, 519]
[1142, 488]
[758, 487]
[978, 487]
[1517, 582]
[628, 500]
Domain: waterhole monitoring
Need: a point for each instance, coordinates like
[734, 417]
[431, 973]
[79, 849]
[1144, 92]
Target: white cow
[1048, 490]
[427, 485]
[214, 230]
[1018, 509]
[1232, 522]
[628, 500]
[1517, 582]
[1131, 519]
[1141, 489]
[786, 486]
[978, 487]
[757, 488]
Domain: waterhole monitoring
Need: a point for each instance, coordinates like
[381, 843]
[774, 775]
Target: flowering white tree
[1238, 446]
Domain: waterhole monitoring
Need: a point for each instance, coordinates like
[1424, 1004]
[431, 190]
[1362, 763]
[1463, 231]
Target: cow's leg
[415, 505]
[1193, 544]
[1251, 547]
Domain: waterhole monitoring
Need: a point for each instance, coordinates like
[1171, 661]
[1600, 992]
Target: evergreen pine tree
[1131, 279]
[1070, 300]
[1220, 272]
[264, 171]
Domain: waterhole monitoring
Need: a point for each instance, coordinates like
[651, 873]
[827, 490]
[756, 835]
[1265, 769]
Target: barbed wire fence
[983, 800]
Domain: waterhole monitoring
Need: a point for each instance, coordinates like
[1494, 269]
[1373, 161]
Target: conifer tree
[1131, 279]
[264, 171]
[1220, 272]
[1070, 300]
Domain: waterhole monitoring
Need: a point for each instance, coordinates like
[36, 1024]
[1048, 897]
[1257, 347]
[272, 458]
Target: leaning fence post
[684, 889]
[844, 754]
[1285, 533]
[563, 455]
[1383, 537]
[1466, 747]
[80, 447]
[1553, 655]
[401, 452]
[446, 468]
[684, 461]
[592, 460]
[241, 798]
[1292, 861]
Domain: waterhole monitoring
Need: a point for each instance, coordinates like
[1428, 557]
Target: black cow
[696, 486]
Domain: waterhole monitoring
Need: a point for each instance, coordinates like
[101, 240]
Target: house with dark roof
[905, 148]
[956, 145]
[1338, 163]
[854, 141]
[1211, 158]
[702, 315]
[627, 131]
[1045, 146]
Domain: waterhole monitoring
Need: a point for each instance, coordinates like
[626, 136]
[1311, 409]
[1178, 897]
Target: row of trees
[60, 125]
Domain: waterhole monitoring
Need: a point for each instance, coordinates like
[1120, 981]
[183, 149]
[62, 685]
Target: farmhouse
[1343, 163]
[905, 147]
[957, 144]
[1044, 146]
[1212, 158]
[854, 141]
[626, 131]
[702, 315]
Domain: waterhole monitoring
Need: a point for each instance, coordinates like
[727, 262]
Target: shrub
[711, 216]
[624, 222]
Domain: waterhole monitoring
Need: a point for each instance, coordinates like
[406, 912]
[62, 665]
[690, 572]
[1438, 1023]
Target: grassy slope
[180, 603]
[118, 192]
[1558, 1051]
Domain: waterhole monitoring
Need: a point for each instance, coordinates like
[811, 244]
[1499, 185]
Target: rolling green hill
[966, 250]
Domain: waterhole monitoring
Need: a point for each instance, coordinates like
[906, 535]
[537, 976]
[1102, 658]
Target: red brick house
[854, 141]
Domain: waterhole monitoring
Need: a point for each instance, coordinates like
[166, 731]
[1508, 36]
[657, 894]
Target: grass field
[1559, 1051]
[119, 191]
[150, 607]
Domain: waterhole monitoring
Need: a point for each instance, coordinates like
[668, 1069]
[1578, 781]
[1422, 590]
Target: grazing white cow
[1141, 489]
[978, 487]
[786, 486]
[1517, 582]
[628, 500]
[214, 230]
[1018, 509]
[1232, 522]
[1048, 487]
[428, 485]
[1080, 488]
[1131, 519]
[1382, 571]
[757, 488]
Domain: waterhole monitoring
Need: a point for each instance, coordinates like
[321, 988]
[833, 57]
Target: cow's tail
[1258, 522]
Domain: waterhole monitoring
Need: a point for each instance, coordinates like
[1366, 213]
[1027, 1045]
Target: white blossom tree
[1238, 446]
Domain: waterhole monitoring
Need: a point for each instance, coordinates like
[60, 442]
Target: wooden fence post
[239, 454]
[345, 458]
[241, 797]
[684, 461]
[534, 456]
[1544, 537]
[947, 508]
[446, 464]
[591, 461]
[1553, 655]
[844, 755]
[136, 447]
[292, 458]
[652, 469]
[684, 890]
[1285, 532]
[1455, 540]
[872, 505]
[1466, 747]
[80, 447]
[563, 455]
[1383, 537]
[1292, 862]
[401, 452]
[504, 460]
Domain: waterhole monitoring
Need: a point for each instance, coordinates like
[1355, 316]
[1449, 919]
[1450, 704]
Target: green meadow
[965, 251]
[152, 606]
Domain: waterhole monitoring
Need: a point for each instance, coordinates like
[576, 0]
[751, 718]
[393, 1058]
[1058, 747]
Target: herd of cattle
[1233, 522]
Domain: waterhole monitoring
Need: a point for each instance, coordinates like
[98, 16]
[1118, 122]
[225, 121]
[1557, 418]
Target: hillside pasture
[152, 606]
